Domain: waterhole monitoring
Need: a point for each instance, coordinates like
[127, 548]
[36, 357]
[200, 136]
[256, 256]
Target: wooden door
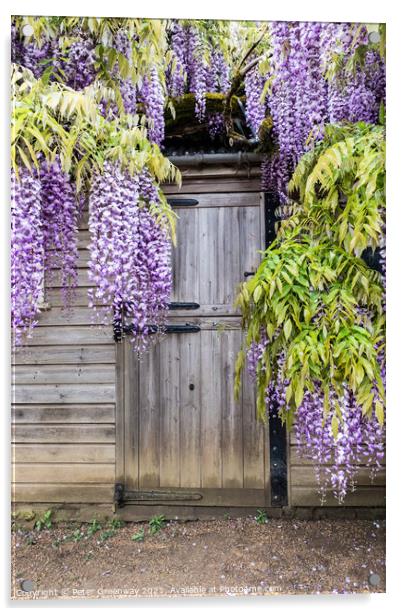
[184, 439]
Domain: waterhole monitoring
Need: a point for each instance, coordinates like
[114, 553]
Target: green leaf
[379, 412]
[287, 329]
[257, 293]
[335, 426]
[299, 393]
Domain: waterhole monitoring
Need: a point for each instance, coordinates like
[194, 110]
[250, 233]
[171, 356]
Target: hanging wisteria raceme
[217, 79]
[79, 68]
[314, 102]
[176, 78]
[152, 96]
[60, 211]
[27, 254]
[282, 103]
[197, 71]
[255, 109]
[128, 89]
[129, 252]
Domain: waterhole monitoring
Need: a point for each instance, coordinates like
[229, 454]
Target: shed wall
[64, 394]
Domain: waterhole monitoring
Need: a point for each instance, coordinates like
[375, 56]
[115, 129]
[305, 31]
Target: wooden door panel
[191, 432]
[188, 438]
[215, 246]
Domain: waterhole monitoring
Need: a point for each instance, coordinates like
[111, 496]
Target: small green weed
[116, 523]
[156, 523]
[45, 521]
[138, 536]
[93, 528]
[261, 517]
[107, 534]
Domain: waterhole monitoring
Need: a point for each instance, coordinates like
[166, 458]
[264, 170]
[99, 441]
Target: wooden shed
[96, 431]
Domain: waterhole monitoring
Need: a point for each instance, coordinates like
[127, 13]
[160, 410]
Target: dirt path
[216, 557]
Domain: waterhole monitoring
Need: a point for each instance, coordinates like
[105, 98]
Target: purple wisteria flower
[27, 252]
[129, 251]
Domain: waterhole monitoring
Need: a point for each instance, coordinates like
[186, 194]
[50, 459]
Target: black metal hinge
[183, 306]
[176, 328]
[176, 202]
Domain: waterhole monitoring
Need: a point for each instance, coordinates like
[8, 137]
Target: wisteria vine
[129, 261]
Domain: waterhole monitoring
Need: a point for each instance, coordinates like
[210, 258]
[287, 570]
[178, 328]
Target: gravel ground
[218, 557]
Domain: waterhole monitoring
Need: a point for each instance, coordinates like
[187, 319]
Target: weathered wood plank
[68, 453]
[305, 476]
[82, 261]
[53, 355]
[53, 278]
[77, 394]
[211, 408]
[48, 374]
[76, 315]
[149, 420]
[63, 473]
[295, 459]
[185, 258]
[208, 264]
[62, 493]
[230, 272]
[71, 335]
[232, 428]
[190, 411]
[54, 299]
[199, 186]
[253, 436]
[169, 380]
[364, 496]
[55, 433]
[80, 413]
[212, 173]
[129, 388]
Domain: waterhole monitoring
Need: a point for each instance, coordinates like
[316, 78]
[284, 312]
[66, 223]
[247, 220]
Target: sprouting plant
[93, 527]
[156, 523]
[106, 534]
[261, 517]
[45, 521]
[138, 536]
[116, 523]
